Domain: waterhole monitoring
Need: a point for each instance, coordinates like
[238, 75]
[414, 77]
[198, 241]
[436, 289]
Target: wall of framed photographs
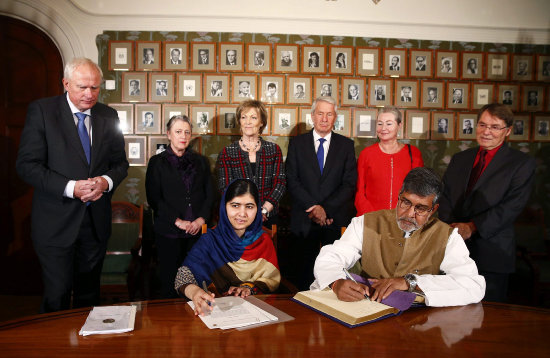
[439, 85]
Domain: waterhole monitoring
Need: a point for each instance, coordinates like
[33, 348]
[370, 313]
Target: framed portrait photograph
[148, 56]
[286, 58]
[482, 94]
[509, 94]
[258, 58]
[216, 88]
[136, 150]
[326, 87]
[406, 93]
[458, 94]
[170, 110]
[368, 61]
[443, 126]
[543, 68]
[125, 116]
[523, 67]
[395, 62]
[417, 124]
[189, 87]
[299, 90]
[161, 87]
[314, 59]
[466, 126]
[497, 66]
[354, 91]
[433, 94]
[541, 128]
[364, 123]
[421, 63]
[244, 87]
[520, 128]
[341, 60]
[532, 98]
[446, 64]
[121, 55]
[134, 87]
[472, 65]
[203, 56]
[227, 120]
[231, 57]
[284, 121]
[157, 144]
[380, 92]
[305, 123]
[148, 119]
[203, 117]
[342, 123]
[272, 89]
[176, 55]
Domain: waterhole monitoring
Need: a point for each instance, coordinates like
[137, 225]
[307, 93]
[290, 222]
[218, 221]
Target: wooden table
[166, 328]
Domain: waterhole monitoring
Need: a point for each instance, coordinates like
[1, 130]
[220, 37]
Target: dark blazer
[50, 154]
[168, 196]
[334, 190]
[494, 203]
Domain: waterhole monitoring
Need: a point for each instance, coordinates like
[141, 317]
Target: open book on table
[353, 314]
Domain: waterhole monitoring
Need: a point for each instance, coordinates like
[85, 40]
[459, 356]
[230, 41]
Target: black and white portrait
[458, 96]
[134, 88]
[432, 95]
[148, 120]
[229, 120]
[161, 147]
[299, 92]
[231, 57]
[471, 67]
[244, 89]
[518, 127]
[543, 128]
[148, 56]
[326, 90]
[202, 120]
[313, 61]
[406, 94]
[446, 65]
[175, 56]
[532, 98]
[161, 88]
[339, 123]
[204, 56]
[189, 88]
[443, 125]
[420, 63]
[341, 60]
[284, 120]
[259, 58]
[216, 89]
[380, 92]
[395, 63]
[353, 92]
[467, 127]
[271, 92]
[286, 58]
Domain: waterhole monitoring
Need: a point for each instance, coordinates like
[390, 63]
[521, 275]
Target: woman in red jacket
[382, 166]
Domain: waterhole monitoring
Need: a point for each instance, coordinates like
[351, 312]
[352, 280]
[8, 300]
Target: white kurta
[461, 284]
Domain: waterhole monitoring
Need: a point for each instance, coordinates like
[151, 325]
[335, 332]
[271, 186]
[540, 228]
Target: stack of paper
[110, 319]
[233, 312]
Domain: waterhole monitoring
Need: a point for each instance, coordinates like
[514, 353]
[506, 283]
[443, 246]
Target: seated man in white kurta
[403, 249]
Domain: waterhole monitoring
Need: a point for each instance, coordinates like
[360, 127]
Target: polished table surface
[166, 328]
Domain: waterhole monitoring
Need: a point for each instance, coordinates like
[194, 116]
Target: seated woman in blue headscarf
[237, 256]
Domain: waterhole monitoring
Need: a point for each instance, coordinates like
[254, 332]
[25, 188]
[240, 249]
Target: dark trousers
[496, 286]
[171, 253]
[306, 249]
[74, 269]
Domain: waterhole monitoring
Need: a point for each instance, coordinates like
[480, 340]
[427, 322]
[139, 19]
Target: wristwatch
[411, 281]
[264, 211]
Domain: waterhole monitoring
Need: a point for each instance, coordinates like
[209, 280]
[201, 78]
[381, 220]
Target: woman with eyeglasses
[382, 167]
[179, 189]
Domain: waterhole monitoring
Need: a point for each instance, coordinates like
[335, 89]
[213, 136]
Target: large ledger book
[350, 314]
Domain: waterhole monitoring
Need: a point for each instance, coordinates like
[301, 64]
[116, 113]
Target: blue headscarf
[222, 244]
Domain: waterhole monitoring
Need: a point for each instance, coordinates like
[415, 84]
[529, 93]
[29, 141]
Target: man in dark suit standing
[322, 174]
[72, 153]
[486, 188]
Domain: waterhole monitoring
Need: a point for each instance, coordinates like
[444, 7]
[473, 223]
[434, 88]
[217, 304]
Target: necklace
[256, 146]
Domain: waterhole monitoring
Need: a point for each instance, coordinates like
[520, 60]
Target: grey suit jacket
[494, 203]
[334, 190]
[50, 154]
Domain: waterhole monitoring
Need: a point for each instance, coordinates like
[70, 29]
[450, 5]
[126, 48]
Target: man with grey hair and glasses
[486, 188]
[405, 249]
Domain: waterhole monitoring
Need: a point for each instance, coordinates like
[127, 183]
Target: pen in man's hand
[205, 288]
[348, 275]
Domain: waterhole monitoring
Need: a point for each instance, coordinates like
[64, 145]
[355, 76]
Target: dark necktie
[321, 154]
[83, 134]
[476, 171]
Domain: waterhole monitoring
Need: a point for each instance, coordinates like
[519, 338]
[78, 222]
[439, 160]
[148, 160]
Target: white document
[233, 312]
[109, 319]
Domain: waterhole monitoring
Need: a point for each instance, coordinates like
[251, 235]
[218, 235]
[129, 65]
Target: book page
[356, 309]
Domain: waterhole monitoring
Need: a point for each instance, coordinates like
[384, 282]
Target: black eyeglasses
[420, 210]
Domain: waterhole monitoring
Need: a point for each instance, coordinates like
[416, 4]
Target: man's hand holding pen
[347, 290]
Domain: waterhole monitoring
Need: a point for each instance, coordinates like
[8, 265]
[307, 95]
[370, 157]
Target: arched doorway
[31, 68]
